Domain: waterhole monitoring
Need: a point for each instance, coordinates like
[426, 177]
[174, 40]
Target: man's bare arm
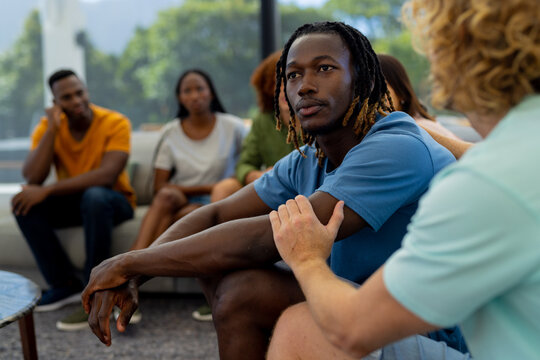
[210, 241]
[112, 164]
[38, 162]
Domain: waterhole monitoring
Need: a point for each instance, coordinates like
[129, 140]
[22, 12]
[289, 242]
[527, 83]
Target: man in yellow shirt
[89, 147]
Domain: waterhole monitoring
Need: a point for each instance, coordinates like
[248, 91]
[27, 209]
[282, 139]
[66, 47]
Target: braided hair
[367, 102]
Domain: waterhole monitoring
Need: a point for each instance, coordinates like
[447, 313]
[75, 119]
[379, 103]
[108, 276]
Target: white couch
[15, 255]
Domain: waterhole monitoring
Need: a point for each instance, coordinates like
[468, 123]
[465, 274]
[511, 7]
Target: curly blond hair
[484, 54]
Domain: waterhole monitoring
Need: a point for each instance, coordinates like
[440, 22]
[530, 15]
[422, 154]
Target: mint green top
[262, 147]
[472, 253]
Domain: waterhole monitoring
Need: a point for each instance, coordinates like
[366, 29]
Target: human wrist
[308, 267]
[125, 265]
[49, 189]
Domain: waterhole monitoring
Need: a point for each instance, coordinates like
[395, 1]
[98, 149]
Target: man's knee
[232, 295]
[292, 317]
[36, 212]
[286, 331]
[258, 295]
[95, 198]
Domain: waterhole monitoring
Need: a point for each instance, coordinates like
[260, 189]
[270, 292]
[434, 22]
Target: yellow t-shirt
[109, 131]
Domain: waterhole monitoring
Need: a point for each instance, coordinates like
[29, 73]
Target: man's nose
[76, 100]
[308, 85]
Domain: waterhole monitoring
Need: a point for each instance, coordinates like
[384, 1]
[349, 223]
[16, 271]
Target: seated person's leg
[186, 210]
[38, 227]
[161, 214]
[101, 209]
[245, 306]
[224, 188]
[421, 348]
[297, 336]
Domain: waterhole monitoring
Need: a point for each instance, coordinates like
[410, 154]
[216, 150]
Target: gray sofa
[15, 255]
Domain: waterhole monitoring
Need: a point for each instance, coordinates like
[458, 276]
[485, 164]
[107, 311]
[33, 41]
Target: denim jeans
[418, 347]
[97, 209]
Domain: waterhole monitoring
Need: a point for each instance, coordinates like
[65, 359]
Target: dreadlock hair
[368, 100]
[215, 104]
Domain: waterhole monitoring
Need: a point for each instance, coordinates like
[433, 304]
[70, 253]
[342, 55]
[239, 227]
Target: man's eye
[292, 75]
[326, 67]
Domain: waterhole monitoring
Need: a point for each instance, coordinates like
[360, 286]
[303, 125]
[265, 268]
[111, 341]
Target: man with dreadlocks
[378, 163]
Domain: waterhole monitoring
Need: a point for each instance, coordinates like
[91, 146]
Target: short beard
[326, 129]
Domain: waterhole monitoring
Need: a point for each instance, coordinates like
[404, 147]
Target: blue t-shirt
[381, 179]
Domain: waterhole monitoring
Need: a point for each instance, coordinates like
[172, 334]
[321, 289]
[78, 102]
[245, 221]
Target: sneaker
[135, 318]
[75, 321]
[55, 298]
[203, 313]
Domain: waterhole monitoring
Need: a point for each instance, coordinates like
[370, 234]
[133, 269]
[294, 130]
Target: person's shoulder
[170, 128]
[401, 130]
[395, 122]
[397, 129]
[262, 118]
[102, 113]
[232, 124]
[229, 118]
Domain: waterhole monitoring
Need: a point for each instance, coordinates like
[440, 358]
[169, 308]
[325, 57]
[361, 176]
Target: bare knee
[283, 344]
[256, 296]
[224, 188]
[169, 200]
[232, 295]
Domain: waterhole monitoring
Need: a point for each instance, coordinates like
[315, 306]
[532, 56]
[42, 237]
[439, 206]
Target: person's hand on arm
[455, 145]
[302, 241]
[357, 321]
[30, 196]
[183, 249]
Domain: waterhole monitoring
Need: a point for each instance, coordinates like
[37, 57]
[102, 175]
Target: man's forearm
[97, 177]
[237, 244]
[39, 161]
[357, 321]
[112, 164]
[196, 189]
[328, 299]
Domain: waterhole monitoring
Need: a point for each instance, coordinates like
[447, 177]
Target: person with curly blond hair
[470, 256]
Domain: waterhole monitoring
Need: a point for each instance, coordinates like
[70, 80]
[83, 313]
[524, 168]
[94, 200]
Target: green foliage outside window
[220, 36]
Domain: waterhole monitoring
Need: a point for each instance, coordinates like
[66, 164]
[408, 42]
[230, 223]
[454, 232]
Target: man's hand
[30, 195]
[107, 275]
[126, 297]
[53, 115]
[299, 235]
